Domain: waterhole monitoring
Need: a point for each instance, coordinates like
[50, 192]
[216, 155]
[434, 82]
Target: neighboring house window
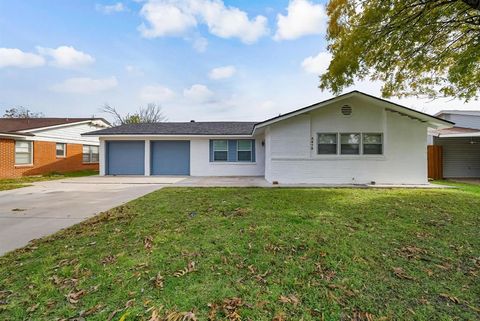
[244, 150]
[90, 154]
[23, 152]
[350, 144]
[327, 144]
[372, 144]
[61, 150]
[220, 150]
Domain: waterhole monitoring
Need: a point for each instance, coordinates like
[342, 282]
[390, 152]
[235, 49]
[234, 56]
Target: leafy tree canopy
[426, 48]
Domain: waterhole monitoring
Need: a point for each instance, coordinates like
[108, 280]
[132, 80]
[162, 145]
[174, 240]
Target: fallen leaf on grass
[230, 307]
[74, 297]
[212, 313]
[33, 308]
[451, 298]
[279, 317]
[181, 316]
[158, 281]
[109, 259]
[190, 268]
[412, 252]
[401, 274]
[291, 299]
[92, 310]
[148, 243]
[362, 316]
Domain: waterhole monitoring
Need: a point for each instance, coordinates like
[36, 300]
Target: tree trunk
[475, 4]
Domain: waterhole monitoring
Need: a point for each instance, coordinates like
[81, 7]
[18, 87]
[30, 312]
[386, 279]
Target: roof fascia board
[15, 135]
[179, 136]
[474, 134]
[64, 125]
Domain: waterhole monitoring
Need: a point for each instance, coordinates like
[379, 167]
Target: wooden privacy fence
[435, 164]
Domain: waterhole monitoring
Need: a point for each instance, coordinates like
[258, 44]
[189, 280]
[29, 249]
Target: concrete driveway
[46, 207]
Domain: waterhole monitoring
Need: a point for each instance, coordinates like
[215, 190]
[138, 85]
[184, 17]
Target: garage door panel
[170, 158]
[461, 157]
[126, 158]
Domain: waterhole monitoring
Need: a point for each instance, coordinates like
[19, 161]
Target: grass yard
[12, 183]
[257, 254]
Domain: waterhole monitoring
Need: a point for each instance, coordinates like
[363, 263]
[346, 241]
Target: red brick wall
[44, 159]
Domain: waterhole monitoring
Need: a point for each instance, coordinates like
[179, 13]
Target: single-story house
[32, 146]
[455, 151]
[353, 138]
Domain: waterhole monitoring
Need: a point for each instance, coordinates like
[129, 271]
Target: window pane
[327, 139]
[372, 149]
[350, 138]
[244, 156]
[245, 145]
[372, 138]
[94, 149]
[220, 155]
[86, 149]
[60, 149]
[327, 149]
[94, 158]
[350, 149]
[220, 145]
[23, 152]
[22, 158]
[86, 158]
[22, 147]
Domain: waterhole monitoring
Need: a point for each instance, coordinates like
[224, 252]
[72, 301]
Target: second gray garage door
[125, 158]
[170, 157]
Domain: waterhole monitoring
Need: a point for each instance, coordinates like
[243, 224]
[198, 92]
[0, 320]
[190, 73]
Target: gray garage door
[170, 157]
[125, 158]
[461, 157]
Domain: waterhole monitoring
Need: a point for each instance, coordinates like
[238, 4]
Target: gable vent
[346, 110]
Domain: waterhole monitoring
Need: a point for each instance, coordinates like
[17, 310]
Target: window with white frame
[90, 154]
[327, 144]
[350, 144]
[61, 150]
[244, 150]
[23, 152]
[372, 144]
[220, 150]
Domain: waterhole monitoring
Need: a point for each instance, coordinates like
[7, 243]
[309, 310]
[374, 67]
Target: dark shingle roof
[15, 125]
[186, 128]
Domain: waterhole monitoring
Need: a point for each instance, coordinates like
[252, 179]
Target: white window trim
[244, 150]
[339, 155]
[327, 155]
[214, 150]
[31, 154]
[360, 150]
[90, 154]
[381, 144]
[64, 150]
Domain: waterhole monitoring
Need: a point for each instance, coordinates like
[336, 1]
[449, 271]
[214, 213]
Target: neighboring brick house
[33, 146]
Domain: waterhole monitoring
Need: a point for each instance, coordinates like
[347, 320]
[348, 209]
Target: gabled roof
[17, 127]
[179, 128]
[431, 120]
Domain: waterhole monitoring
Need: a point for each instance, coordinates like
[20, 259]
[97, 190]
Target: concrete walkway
[47, 207]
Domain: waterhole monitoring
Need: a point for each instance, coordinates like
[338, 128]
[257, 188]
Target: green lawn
[12, 183]
[257, 254]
